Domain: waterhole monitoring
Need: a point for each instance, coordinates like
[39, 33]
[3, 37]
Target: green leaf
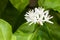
[26, 32]
[23, 36]
[50, 4]
[13, 37]
[5, 30]
[53, 30]
[31, 32]
[27, 28]
[26, 36]
[20, 4]
[43, 34]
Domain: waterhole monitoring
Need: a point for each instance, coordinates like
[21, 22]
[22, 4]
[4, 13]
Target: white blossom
[38, 15]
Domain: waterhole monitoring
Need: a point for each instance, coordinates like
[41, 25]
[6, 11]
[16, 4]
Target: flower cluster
[38, 15]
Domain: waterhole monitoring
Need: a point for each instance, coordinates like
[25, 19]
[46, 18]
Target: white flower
[38, 15]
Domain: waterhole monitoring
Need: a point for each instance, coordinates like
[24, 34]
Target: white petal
[50, 22]
[30, 23]
[38, 15]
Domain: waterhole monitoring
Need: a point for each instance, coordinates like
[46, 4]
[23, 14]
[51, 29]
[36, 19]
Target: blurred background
[13, 12]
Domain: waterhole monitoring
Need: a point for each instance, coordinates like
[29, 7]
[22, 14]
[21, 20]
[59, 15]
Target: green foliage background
[13, 26]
